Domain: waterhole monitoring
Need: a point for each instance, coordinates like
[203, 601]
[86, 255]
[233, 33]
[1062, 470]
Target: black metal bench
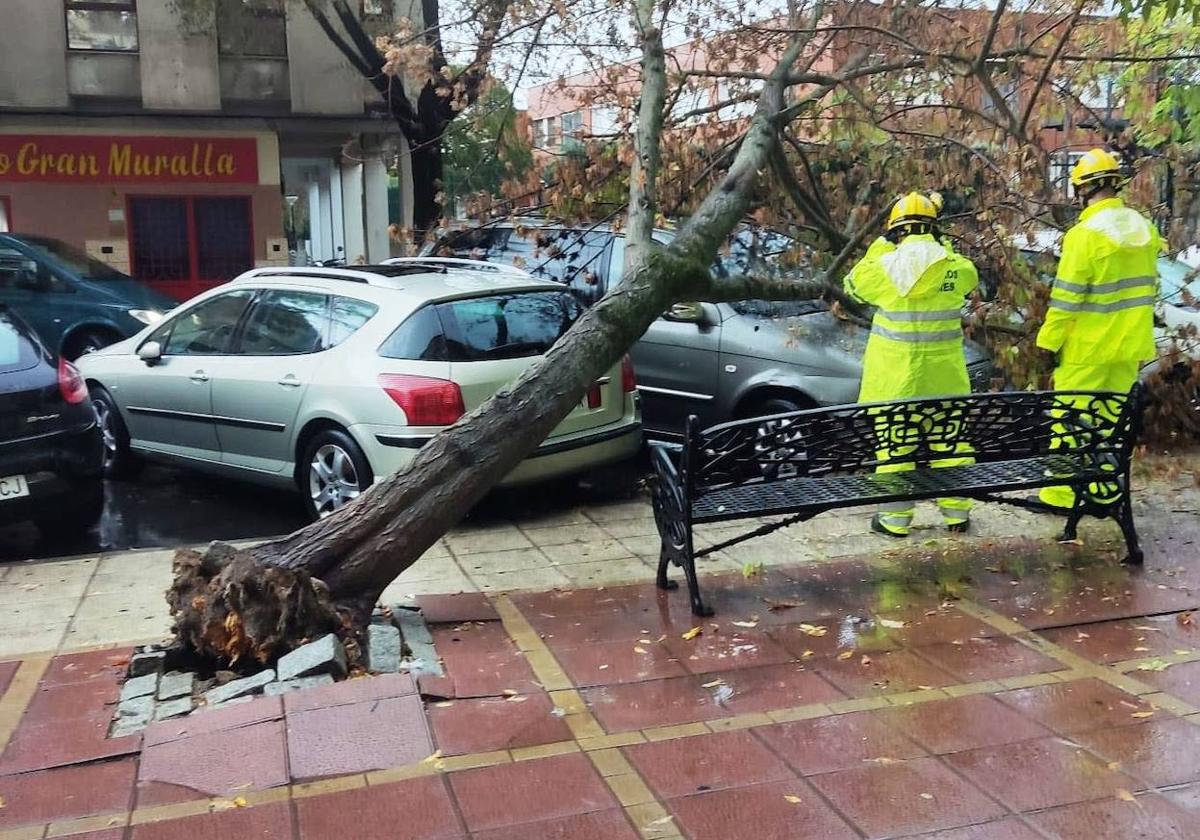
[807, 462]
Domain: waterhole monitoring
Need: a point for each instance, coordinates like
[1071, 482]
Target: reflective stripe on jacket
[915, 348]
[1102, 302]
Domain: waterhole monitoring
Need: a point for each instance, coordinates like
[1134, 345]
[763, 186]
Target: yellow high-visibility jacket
[916, 343]
[1102, 303]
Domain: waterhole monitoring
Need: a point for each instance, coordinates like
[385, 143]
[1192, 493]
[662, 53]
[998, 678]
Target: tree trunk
[426, 157]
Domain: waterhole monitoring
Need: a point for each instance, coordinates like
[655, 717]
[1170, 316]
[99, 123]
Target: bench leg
[689, 570]
[664, 560]
[1133, 551]
[1071, 529]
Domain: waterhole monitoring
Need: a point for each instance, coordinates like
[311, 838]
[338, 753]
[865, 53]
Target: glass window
[579, 259]
[17, 350]
[286, 323]
[109, 25]
[419, 337]
[506, 326]
[159, 234]
[347, 316]
[205, 329]
[223, 247]
[252, 28]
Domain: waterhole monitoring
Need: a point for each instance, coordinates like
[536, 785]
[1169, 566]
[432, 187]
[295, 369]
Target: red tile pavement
[1116, 641]
[59, 743]
[575, 629]
[840, 742]
[67, 792]
[763, 812]
[975, 660]
[263, 822]
[204, 721]
[1183, 680]
[471, 637]
[1149, 817]
[1077, 706]
[1159, 752]
[489, 674]
[881, 673]
[654, 703]
[7, 671]
[105, 834]
[937, 626]
[726, 650]
[706, 762]
[362, 736]
[149, 794]
[1006, 829]
[451, 609]
[220, 763]
[51, 704]
[906, 797]
[495, 723]
[830, 639]
[418, 808]
[103, 665]
[964, 723]
[1039, 774]
[598, 825]
[768, 687]
[605, 663]
[529, 791]
[350, 691]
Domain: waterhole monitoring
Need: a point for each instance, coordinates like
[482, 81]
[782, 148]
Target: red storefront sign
[78, 158]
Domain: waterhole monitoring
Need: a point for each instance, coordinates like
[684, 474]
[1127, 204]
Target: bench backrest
[857, 438]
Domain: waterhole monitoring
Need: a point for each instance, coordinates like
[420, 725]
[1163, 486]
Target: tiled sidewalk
[1008, 690]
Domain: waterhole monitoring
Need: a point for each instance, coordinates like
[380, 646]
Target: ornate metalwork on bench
[978, 446]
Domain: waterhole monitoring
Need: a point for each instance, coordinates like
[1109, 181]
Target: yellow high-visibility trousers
[1118, 377]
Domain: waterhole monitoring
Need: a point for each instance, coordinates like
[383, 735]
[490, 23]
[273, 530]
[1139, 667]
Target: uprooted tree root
[230, 609]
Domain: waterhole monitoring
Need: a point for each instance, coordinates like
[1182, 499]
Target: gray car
[716, 361]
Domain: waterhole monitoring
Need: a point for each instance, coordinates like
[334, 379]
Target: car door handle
[199, 376]
[290, 381]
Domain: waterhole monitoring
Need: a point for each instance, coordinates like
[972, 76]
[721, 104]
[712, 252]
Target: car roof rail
[460, 263]
[360, 274]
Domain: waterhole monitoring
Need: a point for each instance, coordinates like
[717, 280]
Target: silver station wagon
[322, 379]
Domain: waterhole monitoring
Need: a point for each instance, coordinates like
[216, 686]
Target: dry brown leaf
[793, 799]
[747, 624]
[926, 796]
[883, 759]
[1185, 618]
[1114, 766]
[691, 634]
[1125, 796]
[808, 654]
[814, 629]
[638, 649]
[1142, 714]
[892, 624]
[844, 655]
[713, 684]
[774, 605]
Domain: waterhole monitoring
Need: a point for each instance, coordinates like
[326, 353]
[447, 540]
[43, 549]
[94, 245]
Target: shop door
[185, 245]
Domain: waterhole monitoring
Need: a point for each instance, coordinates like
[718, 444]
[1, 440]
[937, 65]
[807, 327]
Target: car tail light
[628, 379]
[593, 397]
[70, 383]
[426, 401]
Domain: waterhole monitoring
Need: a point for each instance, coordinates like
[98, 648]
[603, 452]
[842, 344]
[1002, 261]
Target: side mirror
[150, 352]
[687, 313]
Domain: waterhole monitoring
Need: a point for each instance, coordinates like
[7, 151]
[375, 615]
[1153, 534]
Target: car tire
[87, 340]
[333, 472]
[72, 520]
[120, 462]
[765, 407]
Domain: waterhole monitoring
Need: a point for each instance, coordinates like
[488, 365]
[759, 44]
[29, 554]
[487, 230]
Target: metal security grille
[159, 234]
[222, 241]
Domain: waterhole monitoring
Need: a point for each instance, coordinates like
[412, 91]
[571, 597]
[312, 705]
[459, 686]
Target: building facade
[184, 141]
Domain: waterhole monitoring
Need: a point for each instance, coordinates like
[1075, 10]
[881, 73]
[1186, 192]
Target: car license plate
[13, 487]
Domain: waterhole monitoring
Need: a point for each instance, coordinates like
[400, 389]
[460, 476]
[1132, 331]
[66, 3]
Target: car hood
[130, 294]
[777, 337]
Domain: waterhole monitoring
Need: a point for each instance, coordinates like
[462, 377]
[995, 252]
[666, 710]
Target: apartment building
[172, 139]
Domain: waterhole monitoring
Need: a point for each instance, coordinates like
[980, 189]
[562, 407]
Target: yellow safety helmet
[1096, 165]
[938, 201]
[912, 209]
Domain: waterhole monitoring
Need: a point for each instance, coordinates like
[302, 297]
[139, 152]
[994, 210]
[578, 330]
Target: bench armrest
[665, 458]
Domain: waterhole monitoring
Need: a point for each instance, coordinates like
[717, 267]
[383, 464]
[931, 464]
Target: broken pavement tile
[173, 708]
[150, 662]
[324, 656]
[139, 686]
[175, 684]
[239, 688]
[413, 627]
[383, 649]
[424, 660]
[288, 686]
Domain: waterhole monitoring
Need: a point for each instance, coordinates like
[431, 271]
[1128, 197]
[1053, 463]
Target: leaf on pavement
[814, 629]
[691, 634]
[927, 796]
[883, 759]
[866, 660]
[638, 649]
[1185, 618]
[714, 683]
[774, 605]
[1142, 714]
[892, 624]
[1154, 665]
[1125, 796]
[844, 655]
[747, 624]
[795, 800]
[750, 570]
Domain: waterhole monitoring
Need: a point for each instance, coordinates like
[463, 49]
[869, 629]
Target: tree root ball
[230, 608]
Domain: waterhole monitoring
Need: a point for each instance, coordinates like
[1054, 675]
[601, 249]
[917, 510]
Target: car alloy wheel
[332, 480]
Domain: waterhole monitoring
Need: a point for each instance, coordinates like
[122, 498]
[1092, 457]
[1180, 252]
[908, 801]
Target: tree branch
[1049, 65]
[643, 173]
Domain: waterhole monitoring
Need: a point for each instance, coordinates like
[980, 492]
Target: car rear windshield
[507, 326]
[17, 352]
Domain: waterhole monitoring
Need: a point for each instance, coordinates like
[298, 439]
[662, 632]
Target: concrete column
[326, 249]
[375, 202]
[406, 185]
[352, 211]
[314, 220]
[336, 221]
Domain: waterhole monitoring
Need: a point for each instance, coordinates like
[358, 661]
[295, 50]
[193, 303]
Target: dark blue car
[74, 302]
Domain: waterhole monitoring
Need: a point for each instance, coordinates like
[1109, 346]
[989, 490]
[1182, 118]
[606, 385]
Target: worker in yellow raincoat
[1100, 324]
[916, 344]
